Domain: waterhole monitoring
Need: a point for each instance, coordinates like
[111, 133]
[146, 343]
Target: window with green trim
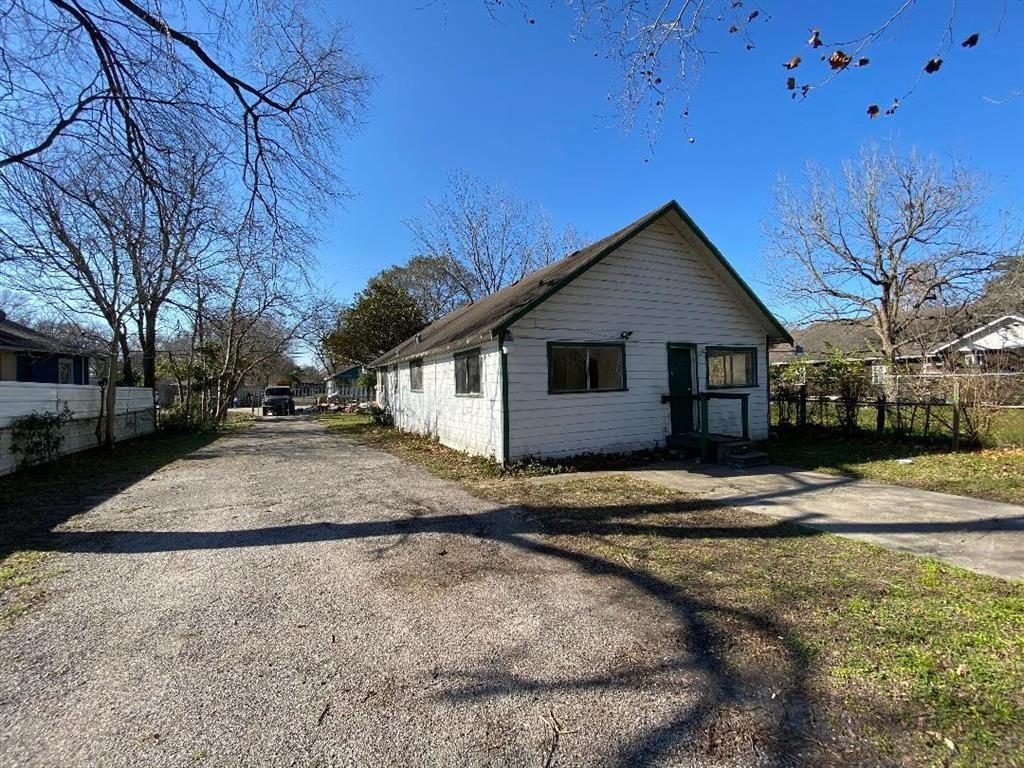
[586, 367]
[416, 375]
[467, 373]
[731, 367]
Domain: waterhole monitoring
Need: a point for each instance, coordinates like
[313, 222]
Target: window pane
[467, 374]
[568, 369]
[416, 374]
[473, 372]
[732, 368]
[716, 369]
[605, 367]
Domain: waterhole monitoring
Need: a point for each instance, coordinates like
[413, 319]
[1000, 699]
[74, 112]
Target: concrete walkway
[982, 536]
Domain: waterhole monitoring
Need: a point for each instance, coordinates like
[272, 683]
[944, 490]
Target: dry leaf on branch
[933, 66]
[971, 41]
[815, 41]
[839, 60]
[873, 111]
[793, 63]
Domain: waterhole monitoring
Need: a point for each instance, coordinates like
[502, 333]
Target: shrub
[382, 416]
[37, 437]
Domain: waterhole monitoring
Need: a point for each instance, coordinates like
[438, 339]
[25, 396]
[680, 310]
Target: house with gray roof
[26, 355]
[643, 335]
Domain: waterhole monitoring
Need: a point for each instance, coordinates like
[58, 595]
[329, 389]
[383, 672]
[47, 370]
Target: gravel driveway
[285, 597]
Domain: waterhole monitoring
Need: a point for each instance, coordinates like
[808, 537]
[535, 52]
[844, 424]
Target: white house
[645, 334]
[998, 344]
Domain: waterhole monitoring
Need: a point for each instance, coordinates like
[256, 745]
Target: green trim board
[503, 373]
[729, 348]
[639, 227]
[584, 344]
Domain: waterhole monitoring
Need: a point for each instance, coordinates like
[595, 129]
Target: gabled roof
[348, 374]
[482, 320]
[1015, 340]
[15, 337]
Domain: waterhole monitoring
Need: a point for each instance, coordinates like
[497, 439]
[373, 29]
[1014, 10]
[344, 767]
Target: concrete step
[744, 459]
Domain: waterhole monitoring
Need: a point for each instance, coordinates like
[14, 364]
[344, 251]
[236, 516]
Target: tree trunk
[108, 412]
[127, 373]
[149, 350]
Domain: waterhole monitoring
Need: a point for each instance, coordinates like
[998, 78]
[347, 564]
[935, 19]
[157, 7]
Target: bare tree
[251, 306]
[481, 238]
[895, 239]
[270, 84]
[318, 329]
[184, 214]
[74, 241]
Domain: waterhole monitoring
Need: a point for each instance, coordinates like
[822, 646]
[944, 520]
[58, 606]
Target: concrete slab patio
[982, 536]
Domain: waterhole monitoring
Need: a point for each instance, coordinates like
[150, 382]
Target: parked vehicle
[278, 401]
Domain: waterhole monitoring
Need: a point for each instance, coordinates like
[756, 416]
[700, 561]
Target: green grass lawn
[898, 659]
[989, 473]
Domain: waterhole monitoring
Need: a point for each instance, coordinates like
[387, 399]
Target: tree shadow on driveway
[38, 499]
[777, 720]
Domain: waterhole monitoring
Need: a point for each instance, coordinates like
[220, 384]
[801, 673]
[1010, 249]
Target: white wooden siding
[134, 413]
[663, 288]
[469, 423]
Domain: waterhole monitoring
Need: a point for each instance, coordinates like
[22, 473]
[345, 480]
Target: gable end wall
[662, 289]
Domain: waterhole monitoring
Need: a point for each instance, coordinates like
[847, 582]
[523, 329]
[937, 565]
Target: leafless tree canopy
[893, 239]
[661, 48]
[268, 85]
[481, 237]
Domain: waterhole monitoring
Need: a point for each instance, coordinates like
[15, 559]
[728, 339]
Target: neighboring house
[613, 348]
[997, 345]
[30, 356]
[345, 384]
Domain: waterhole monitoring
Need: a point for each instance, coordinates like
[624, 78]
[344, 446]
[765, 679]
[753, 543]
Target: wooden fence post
[880, 415]
[801, 406]
[956, 414]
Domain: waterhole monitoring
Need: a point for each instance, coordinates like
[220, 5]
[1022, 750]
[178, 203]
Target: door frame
[694, 378]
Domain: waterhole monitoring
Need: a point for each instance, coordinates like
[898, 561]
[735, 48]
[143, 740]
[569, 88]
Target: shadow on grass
[35, 500]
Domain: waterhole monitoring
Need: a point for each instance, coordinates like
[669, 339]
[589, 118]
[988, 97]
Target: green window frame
[469, 373]
[576, 367]
[416, 375]
[730, 367]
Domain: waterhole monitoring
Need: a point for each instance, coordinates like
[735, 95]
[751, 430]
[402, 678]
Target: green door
[680, 388]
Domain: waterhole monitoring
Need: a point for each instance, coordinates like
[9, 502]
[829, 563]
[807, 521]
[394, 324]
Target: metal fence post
[801, 406]
[880, 415]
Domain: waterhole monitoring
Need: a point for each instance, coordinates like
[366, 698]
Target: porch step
[725, 449]
[747, 459]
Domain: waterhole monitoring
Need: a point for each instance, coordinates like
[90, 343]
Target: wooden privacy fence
[134, 413]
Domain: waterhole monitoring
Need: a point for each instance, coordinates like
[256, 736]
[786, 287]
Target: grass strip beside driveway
[901, 659]
[989, 473]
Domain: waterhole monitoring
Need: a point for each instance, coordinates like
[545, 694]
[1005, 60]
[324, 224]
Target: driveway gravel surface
[284, 596]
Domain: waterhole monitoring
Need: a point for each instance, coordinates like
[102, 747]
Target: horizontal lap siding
[659, 287]
[134, 413]
[466, 423]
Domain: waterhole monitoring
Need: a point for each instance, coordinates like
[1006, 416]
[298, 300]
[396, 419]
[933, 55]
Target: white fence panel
[134, 411]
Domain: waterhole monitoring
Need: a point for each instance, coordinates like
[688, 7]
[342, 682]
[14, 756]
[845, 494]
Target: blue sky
[525, 105]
